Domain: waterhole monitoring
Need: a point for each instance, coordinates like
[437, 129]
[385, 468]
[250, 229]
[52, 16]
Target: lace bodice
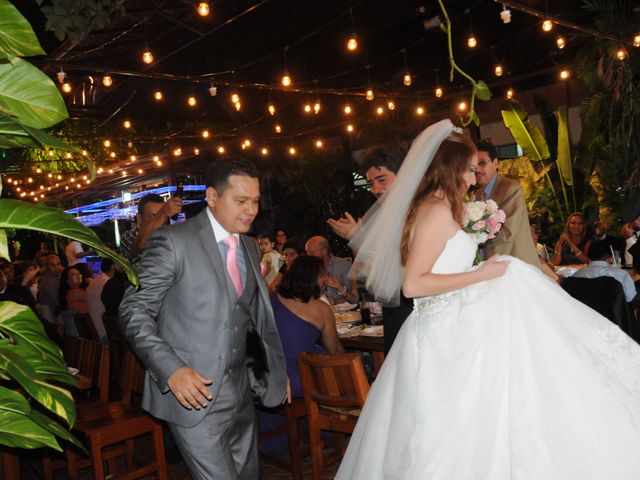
[458, 254]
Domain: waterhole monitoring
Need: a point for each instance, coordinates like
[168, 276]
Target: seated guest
[600, 266]
[573, 245]
[94, 298]
[49, 288]
[543, 256]
[113, 290]
[15, 293]
[28, 275]
[630, 238]
[290, 251]
[301, 317]
[281, 239]
[72, 295]
[338, 286]
[270, 261]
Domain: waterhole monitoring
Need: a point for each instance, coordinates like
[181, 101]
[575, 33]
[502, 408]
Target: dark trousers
[393, 318]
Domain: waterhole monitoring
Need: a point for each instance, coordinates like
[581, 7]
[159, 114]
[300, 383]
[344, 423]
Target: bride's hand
[493, 267]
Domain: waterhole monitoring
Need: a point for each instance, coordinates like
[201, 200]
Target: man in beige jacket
[514, 238]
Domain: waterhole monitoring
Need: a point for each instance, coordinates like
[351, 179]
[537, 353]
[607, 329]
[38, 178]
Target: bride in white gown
[498, 373]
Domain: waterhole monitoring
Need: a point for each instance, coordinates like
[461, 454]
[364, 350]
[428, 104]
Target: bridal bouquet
[482, 220]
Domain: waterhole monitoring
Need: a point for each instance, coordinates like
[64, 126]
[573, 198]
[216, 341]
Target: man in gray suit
[200, 292]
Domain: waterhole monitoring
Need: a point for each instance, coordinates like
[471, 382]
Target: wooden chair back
[85, 326]
[132, 377]
[91, 358]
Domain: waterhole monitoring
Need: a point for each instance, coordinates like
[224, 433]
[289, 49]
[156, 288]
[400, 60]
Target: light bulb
[547, 25]
[462, 106]
[564, 74]
[112, 154]
[621, 54]
[133, 158]
[379, 110]
[286, 80]
[278, 129]
[84, 153]
[238, 106]
[235, 98]
[247, 142]
[177, 152]
[498, 71]
[66, 87]
[420, 110]
[636, 40]
[352, 43]
[158, 95]
[307, 108]
[203, 9]
[391, 105]
[347, 109]
[406, 80]
[126, 124]
[205, 134]
[107, 81]
[561, 42]
[191, 101]
[510, 93]
[505, 14]
[292, 151]
[61, 76]
[140, 170]
[349, 128]
[439, 92]
[221, 149]
[472, 42]
[147, 57]
[316, 108]
[369, 95]
[156, 158]
[264, 151]
[319, 144]
[107, 143]
[272, 109]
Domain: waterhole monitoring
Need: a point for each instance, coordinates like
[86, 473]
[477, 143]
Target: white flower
[492, 206]
[475, 210]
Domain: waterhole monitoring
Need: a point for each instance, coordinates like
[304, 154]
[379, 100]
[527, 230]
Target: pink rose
[493, 225]
[479, 225]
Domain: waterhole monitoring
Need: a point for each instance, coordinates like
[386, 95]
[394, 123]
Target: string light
[147, 57]
[391, 105]
[203, 9]
[264, 151]
[319, 144]
[564, 74]
[369, 95]
[621, 54]
[133, 158]
[84, 153]
[156, 158]
[107, 143]
[462, 106]
[307, 108]
[379, 110]
[472, 41]
[352, 43]
[220, 149]
[420, 110]
[191, 101]
[61, 75]
[100, 170]
[286, 79]
[406, 79]
[316, 108]
[636, 40]
[272, 109]
[66, 87]
[158, 95]
[126, 124]
[292, 151]
[107, 81]
[247, 143]
[140, 170]
[349, 128]
[347, 109]
[547, 25]
[439, 92]
[498, 71]
[505, 14]
[561, 42]
[112, 154]
[235, 98]
[278, 128]
[205, 134]
[124, 173]
[510, 93]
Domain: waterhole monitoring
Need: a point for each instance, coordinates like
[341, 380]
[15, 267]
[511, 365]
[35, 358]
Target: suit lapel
[498, 190]
[209, 243]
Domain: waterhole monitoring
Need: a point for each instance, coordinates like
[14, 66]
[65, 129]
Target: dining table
[370, 340]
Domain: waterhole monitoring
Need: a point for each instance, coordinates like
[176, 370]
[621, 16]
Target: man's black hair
[149, 198]
[219, 172]
[487, 146]
[383, 156]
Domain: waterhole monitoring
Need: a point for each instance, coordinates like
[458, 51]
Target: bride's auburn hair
[445, 175]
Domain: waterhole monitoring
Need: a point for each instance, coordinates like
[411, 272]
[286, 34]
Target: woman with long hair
[573, 245]
[72, 293]
[485, 380]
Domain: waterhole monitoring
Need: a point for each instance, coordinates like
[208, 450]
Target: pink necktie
[232, 263]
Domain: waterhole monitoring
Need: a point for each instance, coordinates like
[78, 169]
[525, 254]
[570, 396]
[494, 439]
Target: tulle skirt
[507, 379]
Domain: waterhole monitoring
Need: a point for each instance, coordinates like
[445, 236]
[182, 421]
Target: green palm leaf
[17, 214]
[29, 94]
[16, 35]
[524, 132]
[564, 147]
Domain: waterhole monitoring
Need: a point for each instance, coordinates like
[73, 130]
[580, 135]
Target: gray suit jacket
[181, 315]
[514, 238]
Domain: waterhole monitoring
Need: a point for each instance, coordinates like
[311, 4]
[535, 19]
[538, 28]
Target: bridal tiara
[457, 129]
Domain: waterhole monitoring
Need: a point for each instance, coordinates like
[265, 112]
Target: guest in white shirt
[600, 266]
[630, 238]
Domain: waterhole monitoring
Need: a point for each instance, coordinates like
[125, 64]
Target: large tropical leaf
[17, 214]
[549, 121]
[523, 131]
[564, 147]
[17, 429]
[29, 94]
[16, 35]
[58, 430]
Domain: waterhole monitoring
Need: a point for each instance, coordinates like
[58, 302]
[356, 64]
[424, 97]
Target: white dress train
[506, 379]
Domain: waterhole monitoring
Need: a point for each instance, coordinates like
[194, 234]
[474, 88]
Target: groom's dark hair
[219, 171]
[486, 146]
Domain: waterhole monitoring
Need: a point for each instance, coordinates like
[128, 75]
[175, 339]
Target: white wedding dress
[506, 379]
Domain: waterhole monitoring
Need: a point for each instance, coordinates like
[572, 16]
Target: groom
[200, 293]
[514, 238]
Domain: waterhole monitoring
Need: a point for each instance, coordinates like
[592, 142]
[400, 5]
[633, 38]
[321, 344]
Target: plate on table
[347, 317]
[344, 307]
[73, 371]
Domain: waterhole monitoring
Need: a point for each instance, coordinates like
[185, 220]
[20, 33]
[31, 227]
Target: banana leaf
[550, 122]
[524, 132]
[16, 35]
[564, 147]
[4, 247]
[30, 95]
[17, 214]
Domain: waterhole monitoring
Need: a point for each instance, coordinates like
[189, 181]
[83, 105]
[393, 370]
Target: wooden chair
[111, 429]
[335, 388]
[92, 359]
[117, 342]
[85, 326]
[292, 415]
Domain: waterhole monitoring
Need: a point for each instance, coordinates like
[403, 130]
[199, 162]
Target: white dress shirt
[601, 268]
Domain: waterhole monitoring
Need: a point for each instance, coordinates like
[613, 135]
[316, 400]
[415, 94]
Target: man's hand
[190, 388]
[172, 207]
[332, 282]
[345, 226]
